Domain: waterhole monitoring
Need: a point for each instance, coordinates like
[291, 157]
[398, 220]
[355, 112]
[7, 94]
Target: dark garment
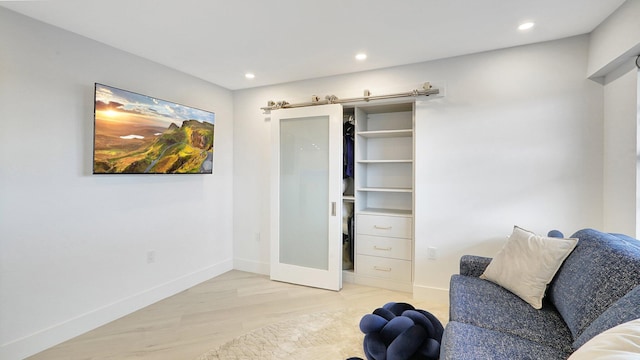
[349, 131]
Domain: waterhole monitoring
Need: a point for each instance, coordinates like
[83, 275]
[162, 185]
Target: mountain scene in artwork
[137, 134]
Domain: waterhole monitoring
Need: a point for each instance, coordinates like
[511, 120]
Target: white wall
[73, 245]
[620, 150]
[615, 40]
[517, 139]
[613, 47]
[637, 189]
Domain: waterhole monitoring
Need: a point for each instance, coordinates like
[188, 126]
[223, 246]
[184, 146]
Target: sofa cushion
[463, 341]
[600, 270]
[623, 310]
[625, 237]
[473, 265]
[482, 303]
[527, 263]
[619, 343]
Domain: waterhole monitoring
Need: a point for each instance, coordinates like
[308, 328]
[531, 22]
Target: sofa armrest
[472, 265]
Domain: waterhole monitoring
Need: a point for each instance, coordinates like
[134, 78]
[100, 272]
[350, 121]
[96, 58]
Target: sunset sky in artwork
[123, 106]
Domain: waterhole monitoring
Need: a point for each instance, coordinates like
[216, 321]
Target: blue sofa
[596, 288]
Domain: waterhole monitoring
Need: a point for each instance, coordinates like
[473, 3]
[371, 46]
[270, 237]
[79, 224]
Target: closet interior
[378, 198]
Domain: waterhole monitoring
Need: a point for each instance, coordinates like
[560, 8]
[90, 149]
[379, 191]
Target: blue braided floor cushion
[398, 331]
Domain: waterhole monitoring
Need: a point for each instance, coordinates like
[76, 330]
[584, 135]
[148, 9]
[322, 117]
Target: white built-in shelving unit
[383, 196]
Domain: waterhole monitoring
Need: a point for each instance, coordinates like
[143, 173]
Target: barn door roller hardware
[426, 90]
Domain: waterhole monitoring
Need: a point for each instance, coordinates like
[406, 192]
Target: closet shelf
[387, 212]
[385, 161]
[386, 189]
[386, 133]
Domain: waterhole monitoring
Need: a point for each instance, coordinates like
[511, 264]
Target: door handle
[333, 208]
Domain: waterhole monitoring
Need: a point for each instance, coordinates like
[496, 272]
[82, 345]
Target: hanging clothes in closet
[349, 138]
[348, 173]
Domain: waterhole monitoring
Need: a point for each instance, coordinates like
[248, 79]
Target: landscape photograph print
[139, 134]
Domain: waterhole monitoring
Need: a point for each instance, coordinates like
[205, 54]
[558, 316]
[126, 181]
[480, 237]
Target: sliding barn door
[306, 192]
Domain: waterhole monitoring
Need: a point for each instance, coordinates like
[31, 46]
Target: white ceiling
[288, 40]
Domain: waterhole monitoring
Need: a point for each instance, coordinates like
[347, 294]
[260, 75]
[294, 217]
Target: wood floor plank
[196, 320]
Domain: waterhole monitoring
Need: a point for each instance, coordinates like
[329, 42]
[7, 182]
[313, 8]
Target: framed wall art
[139, 134]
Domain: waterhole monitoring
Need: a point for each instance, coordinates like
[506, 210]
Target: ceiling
[288, 40]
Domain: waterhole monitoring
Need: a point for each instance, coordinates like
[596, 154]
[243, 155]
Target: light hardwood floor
[198, 319]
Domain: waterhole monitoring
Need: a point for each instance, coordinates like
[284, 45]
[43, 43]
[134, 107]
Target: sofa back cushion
[619, 343]
[601, 269]
[622, 311]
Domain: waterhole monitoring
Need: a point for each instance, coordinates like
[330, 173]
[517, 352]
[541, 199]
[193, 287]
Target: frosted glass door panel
[306, 186]
[304, 190]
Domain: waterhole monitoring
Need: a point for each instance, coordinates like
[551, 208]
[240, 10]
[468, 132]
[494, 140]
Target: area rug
[323, 336]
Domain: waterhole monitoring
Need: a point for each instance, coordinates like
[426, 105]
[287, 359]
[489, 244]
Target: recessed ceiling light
[361, 56]
[526, 26]
[249, 75]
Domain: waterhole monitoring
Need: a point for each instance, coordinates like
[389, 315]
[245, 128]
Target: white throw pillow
[527, 264]
[618, 343]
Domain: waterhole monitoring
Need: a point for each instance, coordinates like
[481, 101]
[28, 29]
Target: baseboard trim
[251, 266]
[431, 293]
[56, 334]
[351, 277]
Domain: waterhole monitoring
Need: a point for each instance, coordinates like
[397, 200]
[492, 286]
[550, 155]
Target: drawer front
[384, 246]
[390, 269]
[391, 226]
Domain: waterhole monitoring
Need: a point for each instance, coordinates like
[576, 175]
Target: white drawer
[390, 269]
[380, 225]
[383, 246]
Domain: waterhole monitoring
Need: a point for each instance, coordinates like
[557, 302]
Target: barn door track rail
[427, 90]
